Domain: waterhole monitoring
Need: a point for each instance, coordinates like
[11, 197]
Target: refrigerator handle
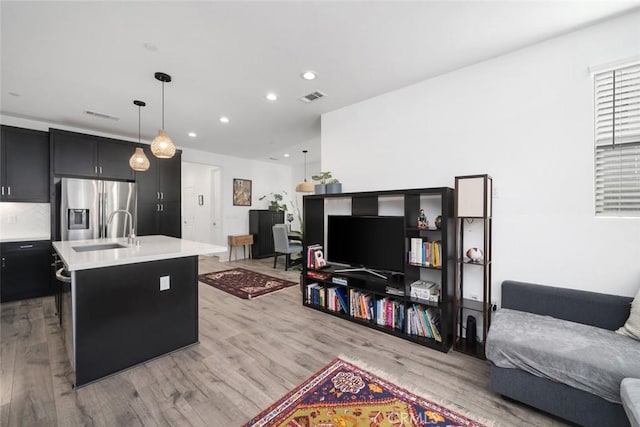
[100, 215]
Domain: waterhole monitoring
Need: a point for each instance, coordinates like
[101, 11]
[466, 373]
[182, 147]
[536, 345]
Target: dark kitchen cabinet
[89, 156]
[261, 222]
[159, 196]
[25, 270]
[24, 165]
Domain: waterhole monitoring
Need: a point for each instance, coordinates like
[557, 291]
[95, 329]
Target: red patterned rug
[343, 395]
[243, 283]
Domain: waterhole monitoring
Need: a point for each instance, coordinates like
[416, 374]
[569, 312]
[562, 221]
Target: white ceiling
[63, 58]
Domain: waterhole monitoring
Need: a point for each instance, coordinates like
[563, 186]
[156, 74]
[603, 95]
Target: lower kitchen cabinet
[26, 270]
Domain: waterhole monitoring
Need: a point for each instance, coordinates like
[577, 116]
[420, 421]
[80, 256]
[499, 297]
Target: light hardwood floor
[251, 352]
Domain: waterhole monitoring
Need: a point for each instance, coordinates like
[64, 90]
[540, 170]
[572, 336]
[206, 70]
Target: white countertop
[152, 248]
[12, 239]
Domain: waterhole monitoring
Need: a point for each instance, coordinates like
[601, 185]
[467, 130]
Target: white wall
[266, 178]
[526, 119]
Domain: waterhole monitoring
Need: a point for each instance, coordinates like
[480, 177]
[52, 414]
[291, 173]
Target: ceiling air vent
[101, 115]
[313, 96]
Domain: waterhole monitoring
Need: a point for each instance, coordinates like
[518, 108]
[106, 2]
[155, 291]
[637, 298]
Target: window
[617, 142]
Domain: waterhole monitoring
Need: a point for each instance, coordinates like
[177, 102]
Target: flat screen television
[372, 242]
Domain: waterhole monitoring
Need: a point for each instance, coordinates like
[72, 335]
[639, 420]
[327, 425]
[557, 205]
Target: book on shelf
[360, 305]
[315, 294]
[389, 313]
[318, 275]
[423, 322]
[315, 257]
[425, 253]
[342, 299]
[335, 300]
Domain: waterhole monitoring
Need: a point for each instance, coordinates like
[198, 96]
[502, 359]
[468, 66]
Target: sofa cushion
[632, 327]
[581, 356]
[630, 393]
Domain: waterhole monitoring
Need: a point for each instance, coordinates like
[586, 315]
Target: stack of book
[337, 300]
[426, 290]
[315, 257]
[315, 294]
[423, 322]
[427, 254]
[389, 313]
[360, 305]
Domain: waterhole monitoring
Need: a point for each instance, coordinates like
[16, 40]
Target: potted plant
[276, 204]
[333, 186]
[322, 177]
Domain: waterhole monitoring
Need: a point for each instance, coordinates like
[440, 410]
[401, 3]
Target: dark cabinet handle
[25, 246]
[3, 260]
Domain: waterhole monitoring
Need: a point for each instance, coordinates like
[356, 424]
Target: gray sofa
[561, 366]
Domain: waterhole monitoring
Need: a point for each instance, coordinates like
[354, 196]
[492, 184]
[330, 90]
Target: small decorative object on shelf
[474, 254]
[422, 220]
[438, 222]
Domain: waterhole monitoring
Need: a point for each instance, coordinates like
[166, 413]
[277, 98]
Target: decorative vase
[320, 188]
[334, 188]
[438, 222]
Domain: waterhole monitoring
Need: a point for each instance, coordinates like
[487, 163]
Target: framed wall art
[241, 192]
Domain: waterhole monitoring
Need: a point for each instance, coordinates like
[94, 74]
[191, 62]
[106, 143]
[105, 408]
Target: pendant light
[139, 162]
[162, 147]
[304, 186]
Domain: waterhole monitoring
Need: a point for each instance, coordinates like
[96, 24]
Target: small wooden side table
[240, 240]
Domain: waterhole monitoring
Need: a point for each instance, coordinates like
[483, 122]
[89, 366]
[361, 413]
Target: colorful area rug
[343, 395]
[243, 283]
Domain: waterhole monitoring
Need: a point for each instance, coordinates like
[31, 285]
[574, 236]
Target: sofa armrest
[590, 308]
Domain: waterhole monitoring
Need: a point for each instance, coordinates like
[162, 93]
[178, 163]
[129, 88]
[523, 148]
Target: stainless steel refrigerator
[86, 205]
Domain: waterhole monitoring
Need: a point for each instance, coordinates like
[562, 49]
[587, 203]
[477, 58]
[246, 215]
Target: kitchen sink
[100, 247]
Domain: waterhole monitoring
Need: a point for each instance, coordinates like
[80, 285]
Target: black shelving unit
[437, 202]
[473, 209]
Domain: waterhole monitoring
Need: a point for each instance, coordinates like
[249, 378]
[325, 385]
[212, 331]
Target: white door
[188, 213]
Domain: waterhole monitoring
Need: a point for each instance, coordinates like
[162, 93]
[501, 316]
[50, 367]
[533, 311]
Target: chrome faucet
[131, 238]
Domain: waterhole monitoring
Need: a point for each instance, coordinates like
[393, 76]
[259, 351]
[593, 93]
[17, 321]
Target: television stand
[366, 270]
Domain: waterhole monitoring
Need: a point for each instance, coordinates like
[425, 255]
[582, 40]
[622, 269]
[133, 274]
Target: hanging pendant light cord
[305, 165]
[139, 109]
[162, 105]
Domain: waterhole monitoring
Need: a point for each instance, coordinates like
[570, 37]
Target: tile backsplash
[20, 221]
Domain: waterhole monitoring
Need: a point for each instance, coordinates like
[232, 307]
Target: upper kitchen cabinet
[89, 156]
[24, 165]
[162, 181]
[159, 192]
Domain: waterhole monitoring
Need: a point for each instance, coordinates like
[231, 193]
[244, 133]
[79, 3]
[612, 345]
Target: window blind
[617, 142]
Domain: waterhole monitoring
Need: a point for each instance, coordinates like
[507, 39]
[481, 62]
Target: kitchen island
[128, 303]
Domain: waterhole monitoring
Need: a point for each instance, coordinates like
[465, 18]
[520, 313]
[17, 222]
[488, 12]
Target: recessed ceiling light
[224, 119]
[286, 154]
[309, 75]
[192, 134]
[272, 96]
